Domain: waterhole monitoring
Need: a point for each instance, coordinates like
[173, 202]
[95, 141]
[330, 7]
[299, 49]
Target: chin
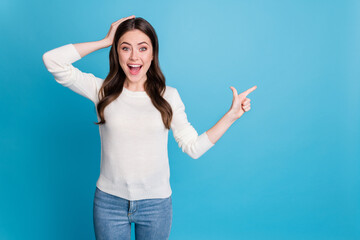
[133, 78]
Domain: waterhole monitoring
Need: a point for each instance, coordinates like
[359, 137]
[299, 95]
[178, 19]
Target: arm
[89, 47]
[59, 61]
[221, 127]
[186, 135]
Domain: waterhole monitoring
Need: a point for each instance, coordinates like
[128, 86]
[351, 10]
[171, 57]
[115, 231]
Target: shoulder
[172, 95]
[170, 92]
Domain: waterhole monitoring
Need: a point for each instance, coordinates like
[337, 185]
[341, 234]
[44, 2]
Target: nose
[133, 55]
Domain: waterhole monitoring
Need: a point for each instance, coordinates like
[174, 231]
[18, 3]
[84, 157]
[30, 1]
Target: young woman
[135, 110]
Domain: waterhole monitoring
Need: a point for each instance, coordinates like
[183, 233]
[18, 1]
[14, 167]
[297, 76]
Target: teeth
[134, 65]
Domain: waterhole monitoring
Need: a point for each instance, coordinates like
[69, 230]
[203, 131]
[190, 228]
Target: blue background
[287, 169]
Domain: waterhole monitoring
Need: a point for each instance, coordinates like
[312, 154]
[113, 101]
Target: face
[135, 55]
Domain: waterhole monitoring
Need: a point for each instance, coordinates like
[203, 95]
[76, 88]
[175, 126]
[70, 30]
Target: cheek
[122, 62]
[123, 56]
[148, 59]
[122, 59]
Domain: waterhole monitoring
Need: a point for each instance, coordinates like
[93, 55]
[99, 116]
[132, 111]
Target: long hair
[114, 82]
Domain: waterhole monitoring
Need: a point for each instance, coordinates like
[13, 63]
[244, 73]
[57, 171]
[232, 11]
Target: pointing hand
[240, 103]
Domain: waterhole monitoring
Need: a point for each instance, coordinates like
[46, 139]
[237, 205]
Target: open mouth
[134, 68]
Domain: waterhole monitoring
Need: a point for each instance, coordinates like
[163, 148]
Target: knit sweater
[134, 157]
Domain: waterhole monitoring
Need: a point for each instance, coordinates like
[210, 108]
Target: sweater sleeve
[185, 134]
[59, 61]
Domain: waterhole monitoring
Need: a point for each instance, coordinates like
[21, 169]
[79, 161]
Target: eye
[143, 49]
[125, 48]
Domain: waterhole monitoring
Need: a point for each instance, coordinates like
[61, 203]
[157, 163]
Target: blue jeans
[113, 216]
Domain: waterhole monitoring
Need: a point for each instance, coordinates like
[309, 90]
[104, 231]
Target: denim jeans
[113, 216]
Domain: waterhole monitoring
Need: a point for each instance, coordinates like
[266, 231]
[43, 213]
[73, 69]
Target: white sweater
[134, 157]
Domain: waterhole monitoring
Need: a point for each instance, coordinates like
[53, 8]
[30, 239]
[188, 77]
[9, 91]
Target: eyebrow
[130, 44]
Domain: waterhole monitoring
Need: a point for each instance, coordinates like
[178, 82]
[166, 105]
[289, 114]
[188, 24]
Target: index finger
[250, 90]
[132, 16]
[125, 18]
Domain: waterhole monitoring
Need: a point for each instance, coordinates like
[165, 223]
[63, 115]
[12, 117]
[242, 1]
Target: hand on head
[110, 35]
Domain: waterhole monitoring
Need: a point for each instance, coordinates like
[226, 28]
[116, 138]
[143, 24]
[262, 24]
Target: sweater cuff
[205, 143]
[73, 54]
[208, 139]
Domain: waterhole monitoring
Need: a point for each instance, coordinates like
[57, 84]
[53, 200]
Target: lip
[134, 64]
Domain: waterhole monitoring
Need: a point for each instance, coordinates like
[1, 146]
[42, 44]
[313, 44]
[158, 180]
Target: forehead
[134, 37]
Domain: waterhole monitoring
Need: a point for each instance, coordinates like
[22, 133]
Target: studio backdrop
[287, 169]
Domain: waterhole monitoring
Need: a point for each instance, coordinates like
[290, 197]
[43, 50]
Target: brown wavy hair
[114, 82]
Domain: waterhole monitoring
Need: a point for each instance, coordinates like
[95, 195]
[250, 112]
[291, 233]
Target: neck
[135, 87]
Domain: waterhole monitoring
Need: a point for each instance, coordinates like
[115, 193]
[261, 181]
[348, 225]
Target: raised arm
[59, 61]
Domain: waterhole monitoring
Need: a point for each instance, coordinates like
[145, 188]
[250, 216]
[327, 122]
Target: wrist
[105, 42]
[231, 116]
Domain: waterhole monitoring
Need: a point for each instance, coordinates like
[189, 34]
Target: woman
[135, 110]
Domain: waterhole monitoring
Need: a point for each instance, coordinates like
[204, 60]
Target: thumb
[234, 91]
